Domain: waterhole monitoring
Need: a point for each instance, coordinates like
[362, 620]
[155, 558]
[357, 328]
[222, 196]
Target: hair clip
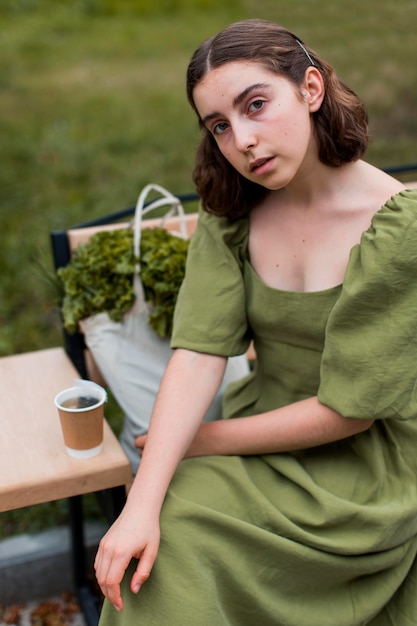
[305, 52]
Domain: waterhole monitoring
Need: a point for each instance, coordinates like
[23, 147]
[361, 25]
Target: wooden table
[34, 465]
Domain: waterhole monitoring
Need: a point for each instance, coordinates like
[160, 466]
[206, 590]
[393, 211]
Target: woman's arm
[187, 390]
[304, 424]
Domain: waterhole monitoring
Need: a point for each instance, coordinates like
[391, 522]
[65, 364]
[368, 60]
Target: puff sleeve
[210, 314]
[369, 362]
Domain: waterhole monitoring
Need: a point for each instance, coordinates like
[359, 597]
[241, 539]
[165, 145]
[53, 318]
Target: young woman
[300, 507]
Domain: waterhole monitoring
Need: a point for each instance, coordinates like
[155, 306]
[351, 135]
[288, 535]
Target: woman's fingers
[140, 441]
[143, 570]
[110, 568]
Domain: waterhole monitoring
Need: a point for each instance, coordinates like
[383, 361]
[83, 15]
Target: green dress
[320, 537]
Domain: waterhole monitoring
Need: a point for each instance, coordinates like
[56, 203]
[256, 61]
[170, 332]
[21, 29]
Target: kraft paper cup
[81, 413]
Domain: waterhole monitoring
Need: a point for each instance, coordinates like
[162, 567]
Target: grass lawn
[92, 108]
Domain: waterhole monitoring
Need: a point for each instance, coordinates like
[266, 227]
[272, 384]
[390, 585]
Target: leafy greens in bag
[99, 277]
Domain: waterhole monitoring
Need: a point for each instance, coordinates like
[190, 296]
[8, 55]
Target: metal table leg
[113, 500]
[88, 603]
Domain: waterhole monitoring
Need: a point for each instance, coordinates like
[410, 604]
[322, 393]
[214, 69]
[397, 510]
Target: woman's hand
[140, 443]
[131, 536]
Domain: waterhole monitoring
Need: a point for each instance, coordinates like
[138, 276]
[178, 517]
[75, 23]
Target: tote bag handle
[167, 199]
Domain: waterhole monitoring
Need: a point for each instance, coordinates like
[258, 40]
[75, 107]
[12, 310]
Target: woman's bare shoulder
[379, 185]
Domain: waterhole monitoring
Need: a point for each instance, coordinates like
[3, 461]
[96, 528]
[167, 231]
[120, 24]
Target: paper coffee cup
[81, 413]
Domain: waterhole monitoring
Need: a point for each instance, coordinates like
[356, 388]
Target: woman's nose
[244, 138]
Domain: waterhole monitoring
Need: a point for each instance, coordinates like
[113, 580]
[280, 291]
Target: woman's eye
[220, 128]
[256, 105]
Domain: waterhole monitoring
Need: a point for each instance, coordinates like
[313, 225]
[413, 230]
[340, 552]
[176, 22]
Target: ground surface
[57, 611]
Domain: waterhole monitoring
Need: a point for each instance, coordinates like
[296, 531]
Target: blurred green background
[93, 107]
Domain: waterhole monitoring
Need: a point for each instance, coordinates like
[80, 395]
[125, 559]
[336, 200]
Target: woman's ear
[313, 89]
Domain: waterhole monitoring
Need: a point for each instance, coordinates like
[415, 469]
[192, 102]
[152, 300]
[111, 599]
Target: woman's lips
[260, 166]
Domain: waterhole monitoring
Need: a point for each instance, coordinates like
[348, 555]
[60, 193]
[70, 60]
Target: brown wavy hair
[341, 123]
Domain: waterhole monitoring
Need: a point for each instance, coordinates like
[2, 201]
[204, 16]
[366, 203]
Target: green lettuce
[99, 277]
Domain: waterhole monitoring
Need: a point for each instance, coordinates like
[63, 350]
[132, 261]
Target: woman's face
[260, 120]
